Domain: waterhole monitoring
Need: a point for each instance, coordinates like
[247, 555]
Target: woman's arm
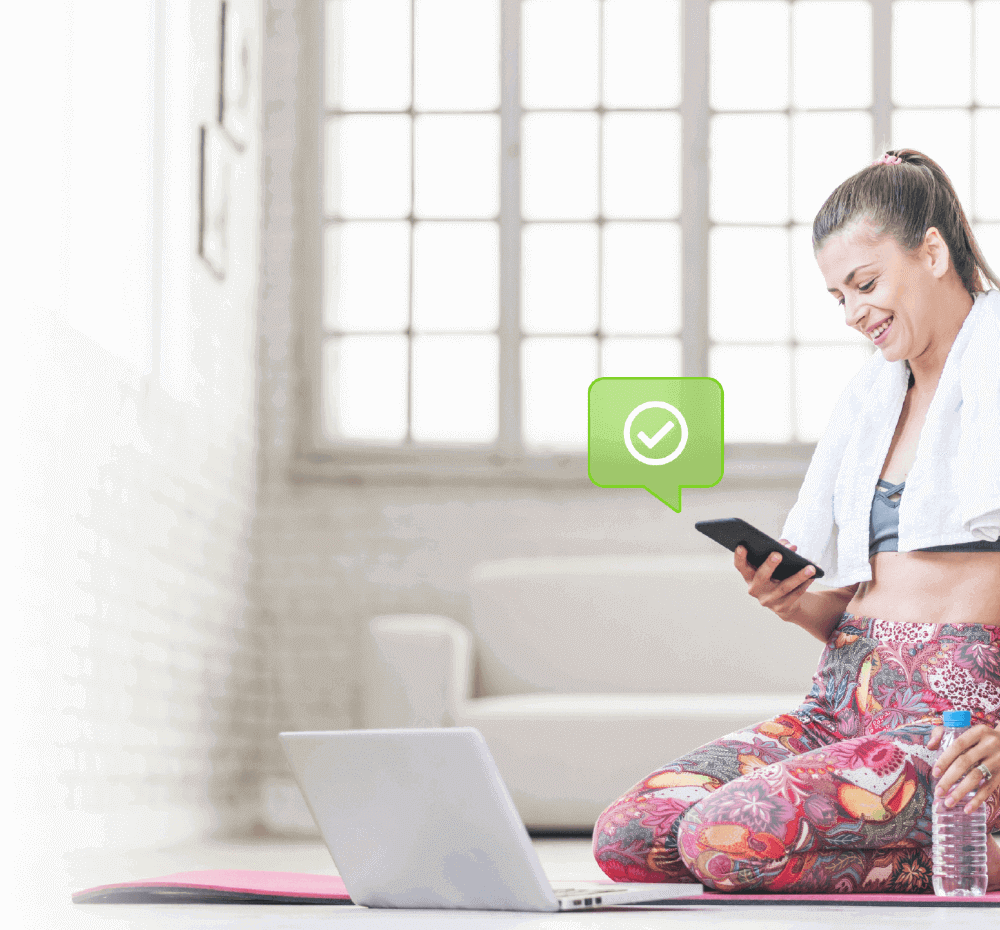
[817, 611]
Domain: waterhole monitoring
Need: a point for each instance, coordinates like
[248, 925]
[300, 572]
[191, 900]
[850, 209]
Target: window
[523, 195]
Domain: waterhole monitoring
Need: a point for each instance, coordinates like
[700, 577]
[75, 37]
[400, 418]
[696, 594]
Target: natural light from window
[413, 336]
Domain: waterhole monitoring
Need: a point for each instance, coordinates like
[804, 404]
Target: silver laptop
[422, 819]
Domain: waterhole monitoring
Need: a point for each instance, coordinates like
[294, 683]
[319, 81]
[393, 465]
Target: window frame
[317, 458]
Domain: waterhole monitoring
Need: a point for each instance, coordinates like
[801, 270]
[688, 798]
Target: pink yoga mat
[229, 886]
[928, 899]
[222, 886]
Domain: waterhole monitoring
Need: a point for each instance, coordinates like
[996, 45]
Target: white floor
[563, 859]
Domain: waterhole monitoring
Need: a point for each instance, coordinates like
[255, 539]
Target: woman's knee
[731, 843]
[635, 838]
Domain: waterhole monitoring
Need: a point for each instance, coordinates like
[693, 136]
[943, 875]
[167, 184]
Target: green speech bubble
[661, 434]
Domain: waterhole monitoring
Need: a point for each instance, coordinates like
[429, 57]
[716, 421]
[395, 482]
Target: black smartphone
[733, 532]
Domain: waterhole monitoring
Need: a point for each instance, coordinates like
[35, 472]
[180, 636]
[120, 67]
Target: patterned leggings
[834, 796]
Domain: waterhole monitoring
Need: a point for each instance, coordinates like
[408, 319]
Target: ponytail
[903, 194]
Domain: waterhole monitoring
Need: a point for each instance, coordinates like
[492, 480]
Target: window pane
[456, 276]
[821, 373]
[641, 358]
[456, 388]
[367, 166]
[457, 167]
[557, 375]
[439, 57]
[366, 277]
[559, 53]
[364, 388]
[987, 205]
[945, 135]
[819, 80]
[749, 285]
[987, 26]
[749, 374]
[930, 53]
[642, 281]
[559, 278]
[642, 53]
[559, 164]
[642, 165]
[749, 168]
[816, 315]
[368, 54]
[827, 148]
[749, 54]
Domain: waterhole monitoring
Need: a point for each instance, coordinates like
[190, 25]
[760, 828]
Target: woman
[836, 795]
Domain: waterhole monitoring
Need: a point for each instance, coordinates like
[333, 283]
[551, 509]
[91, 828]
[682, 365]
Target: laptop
[420, 818]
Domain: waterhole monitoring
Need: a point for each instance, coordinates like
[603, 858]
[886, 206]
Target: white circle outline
[662, 405]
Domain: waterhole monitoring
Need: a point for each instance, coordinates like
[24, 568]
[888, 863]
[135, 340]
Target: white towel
[952, 492]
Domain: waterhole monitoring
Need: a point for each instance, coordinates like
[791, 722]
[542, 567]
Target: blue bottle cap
[957, 718]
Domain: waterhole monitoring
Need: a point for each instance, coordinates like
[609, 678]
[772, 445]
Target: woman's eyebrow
[850, 277]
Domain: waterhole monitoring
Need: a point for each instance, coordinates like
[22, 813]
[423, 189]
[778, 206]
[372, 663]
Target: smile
[878, 335]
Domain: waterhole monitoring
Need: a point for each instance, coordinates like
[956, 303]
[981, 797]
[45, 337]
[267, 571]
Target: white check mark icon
[657, 436]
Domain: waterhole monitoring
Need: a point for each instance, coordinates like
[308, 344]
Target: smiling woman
[836, 795]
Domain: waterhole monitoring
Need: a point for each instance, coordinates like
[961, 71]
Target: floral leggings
[834, 796]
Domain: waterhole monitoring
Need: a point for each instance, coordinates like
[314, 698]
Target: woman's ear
[936, 252]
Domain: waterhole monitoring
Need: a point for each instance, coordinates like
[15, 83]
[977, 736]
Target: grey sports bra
[883, 527]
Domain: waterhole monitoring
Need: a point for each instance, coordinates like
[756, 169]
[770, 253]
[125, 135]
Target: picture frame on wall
[236, 43]
[214, 195]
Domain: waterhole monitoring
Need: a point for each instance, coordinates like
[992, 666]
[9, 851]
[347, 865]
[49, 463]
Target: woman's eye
[865, 288]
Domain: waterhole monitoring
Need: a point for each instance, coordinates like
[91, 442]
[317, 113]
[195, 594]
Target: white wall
[134, 679]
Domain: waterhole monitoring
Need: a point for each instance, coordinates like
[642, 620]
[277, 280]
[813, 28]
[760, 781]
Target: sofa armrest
[418, 671]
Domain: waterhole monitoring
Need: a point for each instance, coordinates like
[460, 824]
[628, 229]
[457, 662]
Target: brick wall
[139, 677]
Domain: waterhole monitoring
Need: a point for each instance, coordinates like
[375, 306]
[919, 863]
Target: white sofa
[586, 674]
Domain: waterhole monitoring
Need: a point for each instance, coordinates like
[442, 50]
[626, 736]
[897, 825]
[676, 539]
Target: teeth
[878, 332]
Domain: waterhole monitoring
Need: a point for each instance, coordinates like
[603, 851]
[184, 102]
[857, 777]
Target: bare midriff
[931, 587]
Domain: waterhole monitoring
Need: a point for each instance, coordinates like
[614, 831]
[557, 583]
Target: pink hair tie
[888, 159]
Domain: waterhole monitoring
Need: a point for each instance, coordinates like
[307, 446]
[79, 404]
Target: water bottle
[959, 840]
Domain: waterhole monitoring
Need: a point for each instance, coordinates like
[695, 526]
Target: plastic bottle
[959, 840]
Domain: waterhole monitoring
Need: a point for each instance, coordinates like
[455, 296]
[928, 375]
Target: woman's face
[875, 281]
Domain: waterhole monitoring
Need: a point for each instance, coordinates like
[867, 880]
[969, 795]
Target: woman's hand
[782, 597]
[958, 765]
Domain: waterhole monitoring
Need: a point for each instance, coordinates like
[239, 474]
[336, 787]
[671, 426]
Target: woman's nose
[853, 311]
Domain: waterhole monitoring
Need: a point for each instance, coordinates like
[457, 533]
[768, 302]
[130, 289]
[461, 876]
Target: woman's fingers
[777, 596]
[793, 583]
[741, 563]
[761, 581]
[935, 739]
[945, 768]
[960, 794]
[959, 770]
[985, 790]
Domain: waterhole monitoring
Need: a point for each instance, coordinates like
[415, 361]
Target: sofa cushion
[566, 757]
[672, 624]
